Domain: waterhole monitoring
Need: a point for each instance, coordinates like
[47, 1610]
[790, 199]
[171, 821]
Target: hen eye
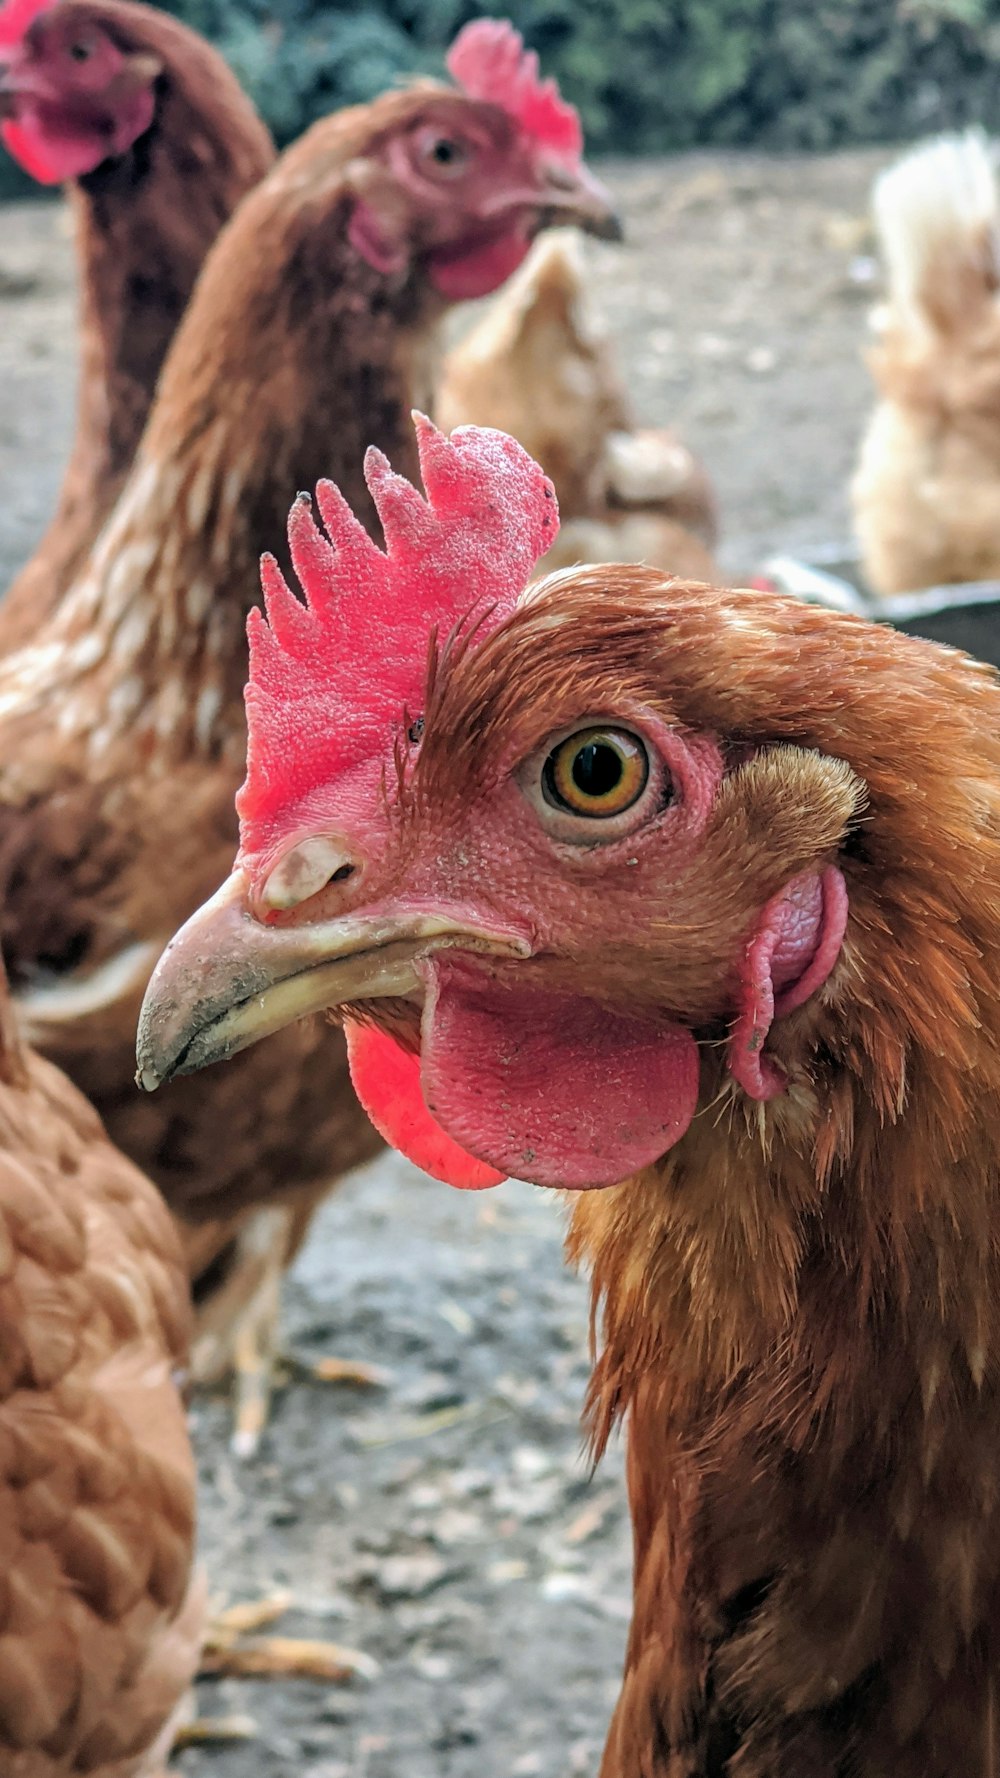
[81, 52]
[446, 154]
[598, 772]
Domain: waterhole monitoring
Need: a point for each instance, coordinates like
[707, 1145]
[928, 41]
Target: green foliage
[648, 75]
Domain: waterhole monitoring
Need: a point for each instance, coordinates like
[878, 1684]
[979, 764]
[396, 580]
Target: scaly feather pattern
[310, 335]
[100, 1611]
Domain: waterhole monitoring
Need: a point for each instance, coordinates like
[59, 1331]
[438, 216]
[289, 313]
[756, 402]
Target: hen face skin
[550, 920]
[71, 97]
[461, 187]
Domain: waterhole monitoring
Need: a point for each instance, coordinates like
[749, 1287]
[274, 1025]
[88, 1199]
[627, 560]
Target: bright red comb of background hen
[15, 18]
[489, 61]
[25, 145]
[330, 680]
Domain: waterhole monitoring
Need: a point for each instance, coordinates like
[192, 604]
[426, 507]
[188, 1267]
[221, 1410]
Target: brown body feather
[100, 1612]
[144, 223]
[122, 730]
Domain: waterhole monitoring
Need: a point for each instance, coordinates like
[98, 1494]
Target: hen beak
[562, 197]
[574, 197]
[15, 86]
[225, 981]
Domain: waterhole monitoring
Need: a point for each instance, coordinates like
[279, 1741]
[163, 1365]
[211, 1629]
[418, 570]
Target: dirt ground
[448, 1525]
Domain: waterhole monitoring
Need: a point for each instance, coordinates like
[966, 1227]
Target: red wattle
[549, 1085]
[473, 272]
[386, 1079]
[29, 152]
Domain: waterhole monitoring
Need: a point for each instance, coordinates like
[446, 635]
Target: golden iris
[597, 772]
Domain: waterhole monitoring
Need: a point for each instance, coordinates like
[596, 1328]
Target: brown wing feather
[100, 1611]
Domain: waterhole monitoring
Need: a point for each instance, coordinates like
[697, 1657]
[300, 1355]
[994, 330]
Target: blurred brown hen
[692, 895]
[100, 1611]
[927, 486]
[159, 144]
[541, 367]
[122, 733]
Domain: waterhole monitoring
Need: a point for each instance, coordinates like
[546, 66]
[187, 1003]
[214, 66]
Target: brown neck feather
[294, 357]
[144, 225]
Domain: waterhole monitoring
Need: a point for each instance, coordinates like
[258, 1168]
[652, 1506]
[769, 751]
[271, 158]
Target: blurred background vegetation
[648, 75]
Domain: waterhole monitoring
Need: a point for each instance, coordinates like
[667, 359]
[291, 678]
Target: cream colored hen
[541, 366]
[927, 487]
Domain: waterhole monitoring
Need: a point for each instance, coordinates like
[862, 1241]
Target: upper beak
[225, 981]
[23, 83]
[15, 85]
[575, 197]
[563, 197]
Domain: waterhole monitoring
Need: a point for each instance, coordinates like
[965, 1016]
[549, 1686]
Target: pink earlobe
[788, 956]
[386, 1079]
[368, 239]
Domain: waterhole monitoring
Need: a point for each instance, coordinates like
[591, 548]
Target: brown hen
[122, 732]
[693, 895]
[159, 143]
[100, 1611]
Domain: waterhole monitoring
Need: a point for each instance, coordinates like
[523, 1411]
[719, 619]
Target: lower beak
[226, 981]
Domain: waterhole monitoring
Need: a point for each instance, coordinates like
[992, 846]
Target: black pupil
[79, 52]
[445, 152]
[597, 769]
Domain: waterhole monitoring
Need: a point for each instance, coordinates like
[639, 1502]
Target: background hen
[927, 486]
[100, 1612]
[123, 732]
[693, 895]
[541, 366]
[159, 144]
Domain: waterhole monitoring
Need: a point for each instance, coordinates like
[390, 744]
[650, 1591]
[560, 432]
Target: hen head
[585, 864]
[74, 90]
[463, 180]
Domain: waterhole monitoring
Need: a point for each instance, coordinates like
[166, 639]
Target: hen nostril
[306, 869]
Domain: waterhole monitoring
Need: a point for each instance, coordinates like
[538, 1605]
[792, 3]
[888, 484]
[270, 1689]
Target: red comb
[331, 679]
[489, 61]
[16, 17]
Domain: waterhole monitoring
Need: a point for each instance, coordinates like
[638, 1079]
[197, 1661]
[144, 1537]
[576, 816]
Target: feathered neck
[150, 217]
[825, 1258]
[293, 357]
